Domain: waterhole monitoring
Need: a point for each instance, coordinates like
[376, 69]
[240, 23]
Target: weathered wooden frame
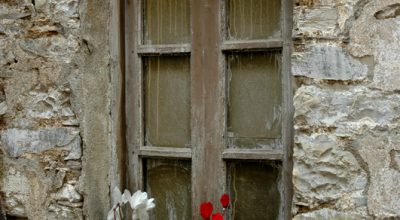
[208, 152]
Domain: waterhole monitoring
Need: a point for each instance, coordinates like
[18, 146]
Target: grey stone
[19, 141]
[51, 104]
[75, 165]
[323, 61]
[68, 193]
[65, 8]
[348, 108]
[55, 47]
[25, 187]
[62, 212]
[329, 214]
[14, 16]
[70, 204]
[316, 22]
[378, 38]
[59, 179]
[3, 108]
[325, 172]
[375, 148]
[39, 4]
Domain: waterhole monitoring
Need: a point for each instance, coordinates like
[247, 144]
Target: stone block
[315, 22]
[345, 107]
[325, 172]
[25, 187]
[376, 148]
[329, 214]
[68, 193]
[18, 141]
[326, 61]
[55, 103]
[377, 33]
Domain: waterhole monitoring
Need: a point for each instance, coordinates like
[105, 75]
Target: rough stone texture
[377, 148]
[377, 33]
[46, 94]
[327, 174]
[328, 62]
[329, 214]
[19, 141]
[347, 111]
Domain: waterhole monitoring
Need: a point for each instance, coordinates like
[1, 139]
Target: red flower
[217, 216]
[224, 200]
[206, 209]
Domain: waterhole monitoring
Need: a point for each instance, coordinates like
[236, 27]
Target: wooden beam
[208, 105]
[165, 152]
[252, 45]
[163, 49]
[133, 89]
[287, 110]
[252, 154]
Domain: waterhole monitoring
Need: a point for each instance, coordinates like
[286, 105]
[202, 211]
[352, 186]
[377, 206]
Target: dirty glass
[253, 19]
[169, 182]
[166, 21]
[255, 94]
[167, 101]
[254, 190]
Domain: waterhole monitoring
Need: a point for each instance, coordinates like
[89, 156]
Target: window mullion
[208, 114]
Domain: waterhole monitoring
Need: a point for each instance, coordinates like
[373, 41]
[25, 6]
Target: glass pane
[253, 19]
[254, 190]
[166, 21]
[169, 182]
[167, 101]
[255, 95]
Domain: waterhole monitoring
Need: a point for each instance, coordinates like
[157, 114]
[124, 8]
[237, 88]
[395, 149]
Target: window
[208, 105]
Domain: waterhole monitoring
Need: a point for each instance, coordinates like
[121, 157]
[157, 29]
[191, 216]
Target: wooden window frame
[208, 152]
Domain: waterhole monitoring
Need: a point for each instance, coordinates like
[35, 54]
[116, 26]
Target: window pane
[166, 21]
[169, 182]
[253, 19]
[254, 95]
[167, 101]
[254, 190]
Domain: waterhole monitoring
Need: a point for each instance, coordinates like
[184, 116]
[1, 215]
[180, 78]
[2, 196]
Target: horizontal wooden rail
[163, 49]
[252, 154]
[252, 45]
[165, 152]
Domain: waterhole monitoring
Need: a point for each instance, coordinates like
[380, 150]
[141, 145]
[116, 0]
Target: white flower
[119, 200]
[140, 204]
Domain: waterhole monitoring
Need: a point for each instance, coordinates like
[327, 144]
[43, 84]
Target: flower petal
[126, 196]
[116, 195]
[206, 209]
[224, 200]
[138, 198]
[217, 216]
[150, 204]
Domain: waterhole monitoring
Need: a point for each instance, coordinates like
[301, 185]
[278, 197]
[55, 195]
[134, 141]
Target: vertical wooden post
[133, 91]
[208, 117]
[287, 110]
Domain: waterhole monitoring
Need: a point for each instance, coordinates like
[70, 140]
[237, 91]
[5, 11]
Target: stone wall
[346, 64]
[49, 72]
[40, 135]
